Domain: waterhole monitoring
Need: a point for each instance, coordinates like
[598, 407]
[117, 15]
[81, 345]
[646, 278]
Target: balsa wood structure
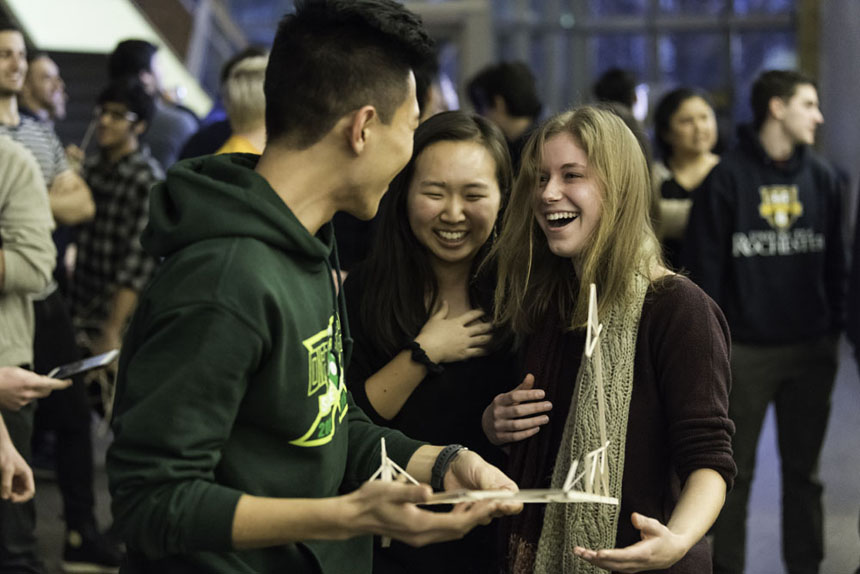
[591, 484]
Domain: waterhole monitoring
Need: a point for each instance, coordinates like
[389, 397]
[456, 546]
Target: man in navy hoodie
[764, 241]
[237, 445]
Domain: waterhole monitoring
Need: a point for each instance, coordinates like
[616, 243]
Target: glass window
[599, 8]
[538, 62]
[701, 43]
[565, 97]
[711, 7]
[540, 6]
[693, 59]
[218, 51]
[506, 47]
[449, 73]
[504, 9]
[765, 6]
[259, 19]
[621, 50]
[753, 53]
[449, 60]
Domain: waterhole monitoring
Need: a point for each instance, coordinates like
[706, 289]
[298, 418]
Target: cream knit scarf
[593, 525]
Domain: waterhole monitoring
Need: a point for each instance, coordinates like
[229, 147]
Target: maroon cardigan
[678, 420]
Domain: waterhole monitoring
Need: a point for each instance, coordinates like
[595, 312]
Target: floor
[840, 473]
[49, 509]
[840, 470]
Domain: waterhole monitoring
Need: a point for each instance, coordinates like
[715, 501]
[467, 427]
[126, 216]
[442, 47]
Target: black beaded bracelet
[420, 357]
[440, 467]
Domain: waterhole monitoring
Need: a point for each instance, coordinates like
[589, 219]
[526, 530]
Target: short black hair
[616, 85]
[514, 82]
[249, 52]
[7, 26]
[36, 54]
[774, 84]
[333, 56]
[666, 108]
[129, 92]
[130, 58]
[425, 76]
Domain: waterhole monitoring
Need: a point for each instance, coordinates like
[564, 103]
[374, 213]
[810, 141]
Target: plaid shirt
[109, 252]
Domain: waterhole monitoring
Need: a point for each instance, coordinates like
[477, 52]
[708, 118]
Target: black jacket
[764, 241]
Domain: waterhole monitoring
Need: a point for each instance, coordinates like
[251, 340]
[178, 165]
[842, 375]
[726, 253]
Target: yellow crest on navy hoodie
[780, 206]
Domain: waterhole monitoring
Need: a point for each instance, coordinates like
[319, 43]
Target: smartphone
[72, 369]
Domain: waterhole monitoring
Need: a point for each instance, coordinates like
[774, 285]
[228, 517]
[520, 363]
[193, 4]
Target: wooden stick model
[590, 485]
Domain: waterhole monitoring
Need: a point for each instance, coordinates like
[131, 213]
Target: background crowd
[462, 304]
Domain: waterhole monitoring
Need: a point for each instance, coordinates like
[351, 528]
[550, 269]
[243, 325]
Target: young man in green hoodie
[237, 446]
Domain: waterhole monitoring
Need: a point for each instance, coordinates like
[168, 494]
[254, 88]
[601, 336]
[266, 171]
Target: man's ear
[358, 131]
[776, 107]
[139, 128]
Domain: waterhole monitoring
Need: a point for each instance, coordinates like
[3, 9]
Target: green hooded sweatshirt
[231, 380]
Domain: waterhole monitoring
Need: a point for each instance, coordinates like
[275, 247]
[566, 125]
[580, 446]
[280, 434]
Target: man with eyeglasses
[112, 267]
[171, 124]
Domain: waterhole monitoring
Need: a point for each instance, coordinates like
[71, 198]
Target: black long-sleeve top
[444, 409]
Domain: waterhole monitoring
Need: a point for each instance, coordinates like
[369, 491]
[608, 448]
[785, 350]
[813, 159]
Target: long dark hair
[398, 276]
[666, 108]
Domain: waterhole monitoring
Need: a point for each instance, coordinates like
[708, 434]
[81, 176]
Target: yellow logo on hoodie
[780, 206]
[325, 365]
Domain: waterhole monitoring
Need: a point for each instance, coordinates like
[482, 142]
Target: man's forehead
[805, 92]
[45, 65]
[10, 39]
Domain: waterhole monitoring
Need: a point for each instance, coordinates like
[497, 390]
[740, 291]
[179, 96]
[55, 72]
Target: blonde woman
[579, 215]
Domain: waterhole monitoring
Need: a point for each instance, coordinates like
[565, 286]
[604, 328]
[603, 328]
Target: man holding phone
[18, 388]
[27, 256]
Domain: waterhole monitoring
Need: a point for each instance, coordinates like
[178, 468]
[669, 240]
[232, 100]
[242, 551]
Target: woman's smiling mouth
[560, 218]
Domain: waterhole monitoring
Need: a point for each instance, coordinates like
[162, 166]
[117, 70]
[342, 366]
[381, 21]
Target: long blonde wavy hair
[532, 280]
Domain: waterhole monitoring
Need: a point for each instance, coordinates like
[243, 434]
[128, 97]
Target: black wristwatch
[443, 461]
